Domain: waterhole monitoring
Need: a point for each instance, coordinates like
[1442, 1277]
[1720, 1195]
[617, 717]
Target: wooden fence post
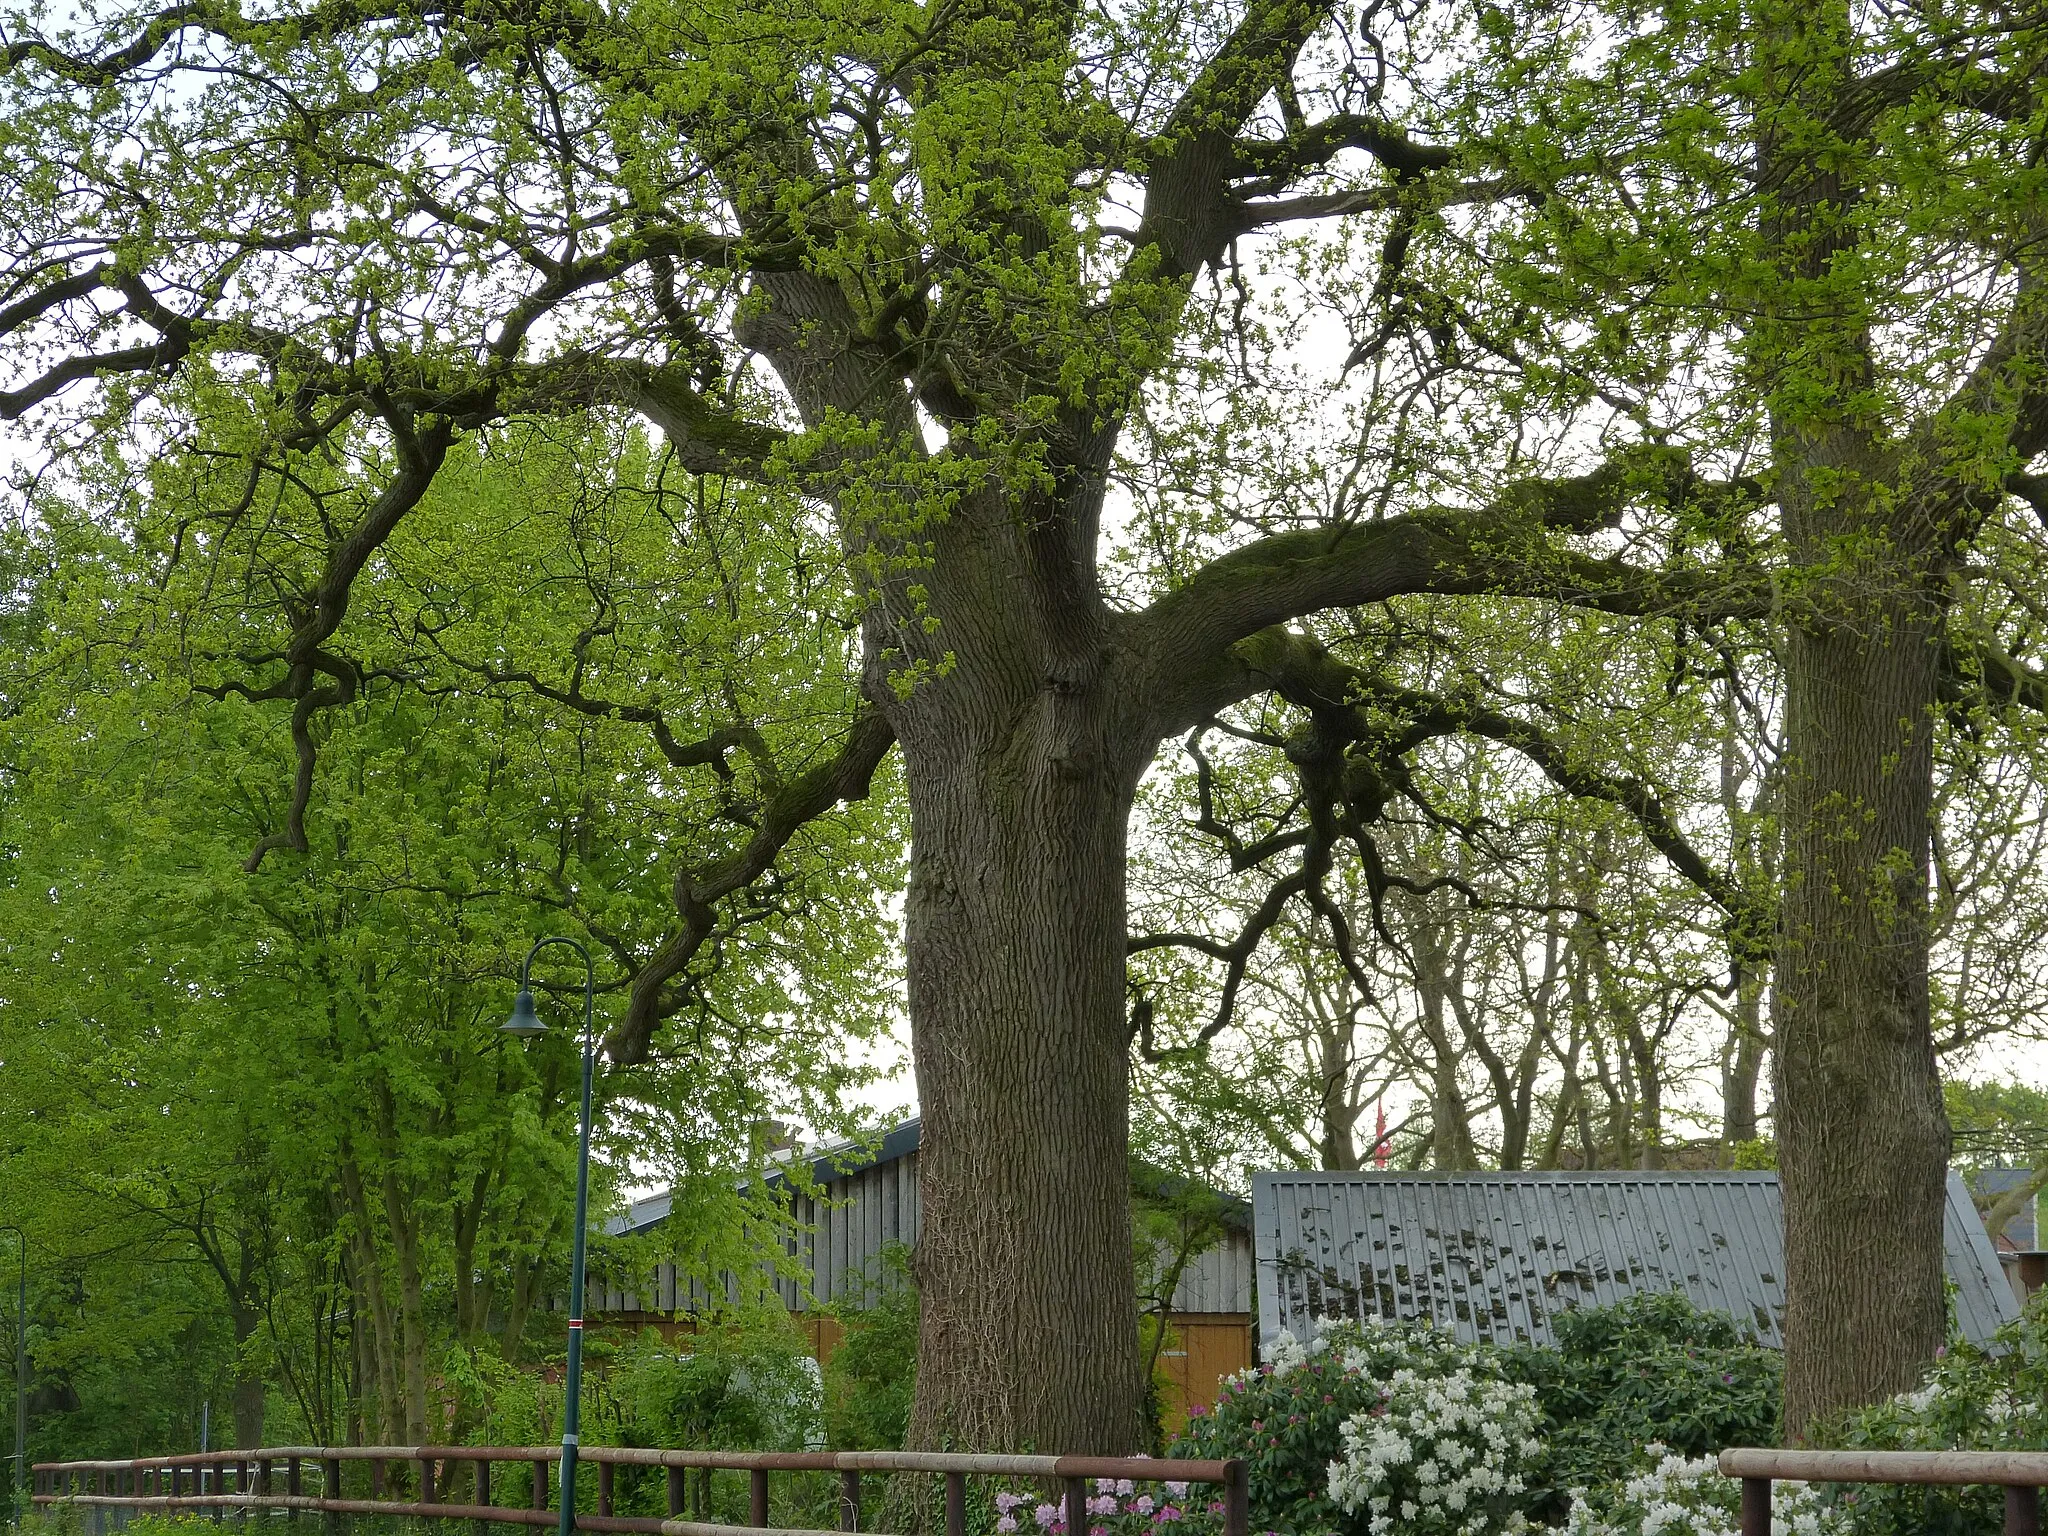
[1077, 1506]
[956, 1504]
[675, 1492]
[605, 1473]
[757, 1496]
[2022, 1512]
[540, 1484]
[849, 1501]
[1756, 1506]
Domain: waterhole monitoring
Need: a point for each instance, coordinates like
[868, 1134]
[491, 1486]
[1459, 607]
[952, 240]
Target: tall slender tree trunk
[1862, 1137]
[1020, 792]
[1335, 1035]
[1742, 1061]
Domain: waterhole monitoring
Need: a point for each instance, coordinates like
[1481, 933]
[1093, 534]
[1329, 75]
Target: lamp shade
[524, 1023]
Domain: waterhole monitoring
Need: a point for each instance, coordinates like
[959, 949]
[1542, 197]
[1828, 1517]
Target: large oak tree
[970, 275]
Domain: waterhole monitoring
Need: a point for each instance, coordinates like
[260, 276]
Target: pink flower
[1005, 1502]
[1048, 1516]
[1006, 1523]
[1103, 1504]
[1167, 1513]
[1126, 1487]
[1144, 1504]
[1179, 1491]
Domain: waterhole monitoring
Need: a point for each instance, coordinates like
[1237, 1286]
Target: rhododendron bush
[1398, 1429]
[1373, 1428]
[1680, 1496]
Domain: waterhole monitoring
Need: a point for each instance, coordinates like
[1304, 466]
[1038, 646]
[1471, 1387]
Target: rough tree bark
[1016, 976]
[1021, 764]
[1862, 1137]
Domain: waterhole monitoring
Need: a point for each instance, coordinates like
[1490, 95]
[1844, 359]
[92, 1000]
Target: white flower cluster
[1440, 1454]
[1289, 1353]
[1678, 1496]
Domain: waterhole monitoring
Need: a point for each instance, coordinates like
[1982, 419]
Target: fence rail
[2021, 1473]
[221, 1481]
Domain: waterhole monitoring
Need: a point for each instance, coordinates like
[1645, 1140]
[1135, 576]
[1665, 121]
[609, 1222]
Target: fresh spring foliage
[869, 1378]
[1652, 1368]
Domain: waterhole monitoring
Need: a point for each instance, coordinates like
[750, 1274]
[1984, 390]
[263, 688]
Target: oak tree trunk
[1020, 793]
[1863, 1139]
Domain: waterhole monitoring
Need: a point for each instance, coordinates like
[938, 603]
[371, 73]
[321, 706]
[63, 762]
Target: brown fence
[2021, 1473]
[457, 1482]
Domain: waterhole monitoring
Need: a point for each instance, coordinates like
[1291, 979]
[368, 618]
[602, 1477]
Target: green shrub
[1972, 1398]
[744, 1384]
[1653, 1369]
[1286, 1418]
[871, 1376]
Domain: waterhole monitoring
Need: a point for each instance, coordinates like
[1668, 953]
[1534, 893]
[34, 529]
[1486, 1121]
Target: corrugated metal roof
[1494, 1255]
[1993, 1182]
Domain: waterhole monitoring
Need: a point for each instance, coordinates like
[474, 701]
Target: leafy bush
[1287, 1418]
[1653, 1369]
[1972, 1398]
[871, 1376]
[1443, 1454]
[1672, 1495]
[736, 1387]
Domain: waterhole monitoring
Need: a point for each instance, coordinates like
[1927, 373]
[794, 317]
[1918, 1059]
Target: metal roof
[864, 1197]
[1494, 1255]
[1993, 1182]
[837, 1161]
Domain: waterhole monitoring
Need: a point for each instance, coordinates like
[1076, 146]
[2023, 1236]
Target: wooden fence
[2021, 1473]
[283, 1478]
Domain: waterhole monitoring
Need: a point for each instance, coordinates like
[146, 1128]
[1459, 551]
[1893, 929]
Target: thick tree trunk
[249, 1404]
[1862, 1137]
[1016, 928]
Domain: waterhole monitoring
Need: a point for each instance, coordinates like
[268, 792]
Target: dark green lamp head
[524, 1023]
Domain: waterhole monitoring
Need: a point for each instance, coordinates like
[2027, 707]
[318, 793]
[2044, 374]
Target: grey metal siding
[838, 1234]
[1495, 1256]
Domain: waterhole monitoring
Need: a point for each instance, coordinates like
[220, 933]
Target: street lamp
[20, 1371]
[526, 1025]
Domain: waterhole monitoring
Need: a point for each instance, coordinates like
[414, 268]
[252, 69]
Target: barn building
[1494, 1256]
[866, 1200]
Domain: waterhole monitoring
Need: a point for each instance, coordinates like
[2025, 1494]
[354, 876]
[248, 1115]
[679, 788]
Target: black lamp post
[526, 1024]
[20, 1372]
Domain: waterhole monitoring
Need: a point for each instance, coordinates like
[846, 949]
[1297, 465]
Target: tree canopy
[1384, 388]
